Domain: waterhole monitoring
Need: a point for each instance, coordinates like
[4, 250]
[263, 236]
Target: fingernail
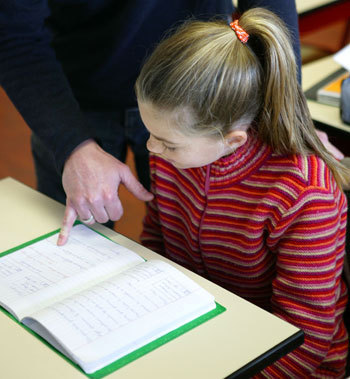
[59, 240]
[150, 196]
[61, 237]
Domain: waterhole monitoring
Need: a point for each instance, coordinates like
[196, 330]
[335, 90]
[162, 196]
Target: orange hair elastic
[241, 34]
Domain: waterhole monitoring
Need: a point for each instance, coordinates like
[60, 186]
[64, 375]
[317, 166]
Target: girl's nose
[154, 146]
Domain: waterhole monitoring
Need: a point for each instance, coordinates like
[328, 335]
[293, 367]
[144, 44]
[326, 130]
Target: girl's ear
[235, 139]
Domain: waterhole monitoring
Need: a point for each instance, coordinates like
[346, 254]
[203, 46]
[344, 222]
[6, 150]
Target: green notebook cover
[131, 356]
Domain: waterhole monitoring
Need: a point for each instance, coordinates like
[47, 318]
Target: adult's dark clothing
[63, 60]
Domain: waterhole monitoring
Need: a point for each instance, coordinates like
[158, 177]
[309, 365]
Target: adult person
[69, 67]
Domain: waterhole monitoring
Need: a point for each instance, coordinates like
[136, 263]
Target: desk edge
[269, 357]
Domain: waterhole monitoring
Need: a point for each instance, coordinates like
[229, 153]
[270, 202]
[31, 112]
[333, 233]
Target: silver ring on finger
[88, 220]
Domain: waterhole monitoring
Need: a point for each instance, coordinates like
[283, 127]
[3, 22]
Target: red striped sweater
[270, 229]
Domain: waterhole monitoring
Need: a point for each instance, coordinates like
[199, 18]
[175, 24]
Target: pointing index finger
[70, 215]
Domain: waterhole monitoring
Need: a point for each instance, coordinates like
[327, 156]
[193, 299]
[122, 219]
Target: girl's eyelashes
[170, 148]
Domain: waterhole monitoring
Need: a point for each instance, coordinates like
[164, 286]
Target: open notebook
[96, 302]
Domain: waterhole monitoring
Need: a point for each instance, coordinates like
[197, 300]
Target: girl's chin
[177, 165]
[182, 166]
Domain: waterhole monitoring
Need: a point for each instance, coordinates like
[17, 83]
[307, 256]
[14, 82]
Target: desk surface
[309, 5]
[222, 346]
[312, 73]
[304, 6]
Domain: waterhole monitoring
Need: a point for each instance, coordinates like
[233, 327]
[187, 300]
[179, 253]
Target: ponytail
[284, 121]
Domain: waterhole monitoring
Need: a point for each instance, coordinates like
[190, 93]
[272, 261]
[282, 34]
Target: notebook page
[123, 313]
[42, 273]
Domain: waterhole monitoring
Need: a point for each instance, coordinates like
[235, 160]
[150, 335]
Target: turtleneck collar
[238, 165]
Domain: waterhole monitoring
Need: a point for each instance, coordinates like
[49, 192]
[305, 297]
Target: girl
[245, 193]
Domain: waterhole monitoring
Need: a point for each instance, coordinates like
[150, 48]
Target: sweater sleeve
[34, 80]
[151, 236]
[308, 290]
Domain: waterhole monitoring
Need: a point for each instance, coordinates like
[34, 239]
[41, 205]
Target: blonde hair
[204, 68]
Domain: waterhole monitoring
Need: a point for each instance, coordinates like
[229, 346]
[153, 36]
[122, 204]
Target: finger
[91, 208]
[322, 136]
[134, 186]
[70, 215]
[85, 210]
[114, 209]
[334, 151]
[98, 212]
[88, 221]
[338, 154]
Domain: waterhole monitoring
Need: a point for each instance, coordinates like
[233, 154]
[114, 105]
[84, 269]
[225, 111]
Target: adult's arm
[36, 84]
[34, 80]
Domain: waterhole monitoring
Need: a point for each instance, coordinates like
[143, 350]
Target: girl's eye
[170, 148]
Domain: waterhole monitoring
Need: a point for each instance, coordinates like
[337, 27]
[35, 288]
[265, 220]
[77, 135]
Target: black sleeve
[286, 10]
[34, 80]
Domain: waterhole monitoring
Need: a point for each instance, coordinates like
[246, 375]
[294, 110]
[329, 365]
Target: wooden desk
[240, 341]
[312, 73]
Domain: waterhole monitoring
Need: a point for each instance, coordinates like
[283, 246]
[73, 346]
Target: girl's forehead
[171, 117]
[178, 115]
[161, 123]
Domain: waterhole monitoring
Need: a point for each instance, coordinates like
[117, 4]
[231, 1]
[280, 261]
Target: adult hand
[337, 154]
[91, 178]
[331, 148]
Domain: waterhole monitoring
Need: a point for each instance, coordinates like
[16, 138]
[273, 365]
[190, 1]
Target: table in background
[235, 344]
[305, 6]
[324, 115]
